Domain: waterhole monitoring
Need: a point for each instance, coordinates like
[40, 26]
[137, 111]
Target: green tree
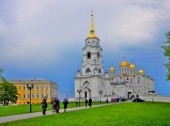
[8, 92]
[1, 73]
[166, 48]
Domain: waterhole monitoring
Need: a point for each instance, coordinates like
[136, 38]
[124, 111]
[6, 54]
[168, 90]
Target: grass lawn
[22, 109]
[123, 114]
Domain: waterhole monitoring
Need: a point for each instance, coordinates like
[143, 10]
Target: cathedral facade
[92, 81]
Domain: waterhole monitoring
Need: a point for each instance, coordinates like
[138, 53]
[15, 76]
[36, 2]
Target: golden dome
[132, 66]
[124, 64]
[141, 72]
[112, 69]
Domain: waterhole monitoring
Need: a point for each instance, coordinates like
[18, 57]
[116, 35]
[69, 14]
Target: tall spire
[92, 34]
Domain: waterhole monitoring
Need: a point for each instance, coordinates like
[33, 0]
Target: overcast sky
[44, 38]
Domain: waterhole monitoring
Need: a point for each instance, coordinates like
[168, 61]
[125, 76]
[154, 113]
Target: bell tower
[92, 53]
[91, 81]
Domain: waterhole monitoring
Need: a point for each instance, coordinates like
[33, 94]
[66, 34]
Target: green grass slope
[124, 114]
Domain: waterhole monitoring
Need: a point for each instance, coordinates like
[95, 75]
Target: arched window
[88, 70]
[88, 55]
[100, 70]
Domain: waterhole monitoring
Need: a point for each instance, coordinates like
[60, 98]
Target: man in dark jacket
[86, 102]
[65, 102]
[90, 102]
[44, 106]
[57, 105]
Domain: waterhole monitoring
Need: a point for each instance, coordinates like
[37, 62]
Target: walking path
[37, 114]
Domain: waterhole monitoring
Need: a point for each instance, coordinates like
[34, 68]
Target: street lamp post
[152, 93]
[79, 91]
[30, 87]
[134, 87]
[100, 92]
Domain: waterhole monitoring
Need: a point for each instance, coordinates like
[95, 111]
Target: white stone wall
[156, 98]
[134, 85]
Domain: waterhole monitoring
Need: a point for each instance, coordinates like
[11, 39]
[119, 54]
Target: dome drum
[112, 69]
[124, 64]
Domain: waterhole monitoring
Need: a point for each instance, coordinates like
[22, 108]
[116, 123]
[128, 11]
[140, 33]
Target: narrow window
[88, 55]
[138, 80]
[131, 80]
[98, 55]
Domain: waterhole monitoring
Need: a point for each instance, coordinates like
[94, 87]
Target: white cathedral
[92, 81]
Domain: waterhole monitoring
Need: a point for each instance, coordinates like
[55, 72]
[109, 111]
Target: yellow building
[41, 88]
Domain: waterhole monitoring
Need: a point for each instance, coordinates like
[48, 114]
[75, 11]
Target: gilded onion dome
[141, 72]
[124, 64]
[112, 69]
[132, 66]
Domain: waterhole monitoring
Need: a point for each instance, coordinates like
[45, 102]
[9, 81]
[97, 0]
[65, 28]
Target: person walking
[53, 104]
[44, 105]
[90, 102]
[86, 102]
[65, 102]
[57, 105]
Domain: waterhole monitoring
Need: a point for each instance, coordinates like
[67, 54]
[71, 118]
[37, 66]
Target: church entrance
[85, 94]
[129, 94]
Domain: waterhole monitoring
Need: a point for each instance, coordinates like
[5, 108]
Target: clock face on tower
[91, 42]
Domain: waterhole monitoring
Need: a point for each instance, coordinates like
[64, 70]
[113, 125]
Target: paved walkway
[37, 114]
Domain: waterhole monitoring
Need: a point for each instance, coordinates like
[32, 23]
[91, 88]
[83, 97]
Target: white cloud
[134, 23]
[41, 31]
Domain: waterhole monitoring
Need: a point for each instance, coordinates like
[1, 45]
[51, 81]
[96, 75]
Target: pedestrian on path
[57, 104]
[86, 102]
[65, 102]
[44, 105]
[90, 102]
[52, 106]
